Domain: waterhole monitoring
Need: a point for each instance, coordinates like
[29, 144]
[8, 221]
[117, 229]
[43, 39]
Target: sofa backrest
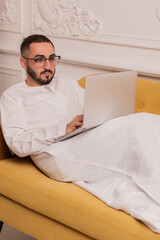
[147, 95]
[147, 100]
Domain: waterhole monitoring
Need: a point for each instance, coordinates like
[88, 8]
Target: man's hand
[76, 122]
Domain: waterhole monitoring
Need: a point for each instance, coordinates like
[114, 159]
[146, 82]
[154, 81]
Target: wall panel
[8, 77]
[91, 36]
[10, 15]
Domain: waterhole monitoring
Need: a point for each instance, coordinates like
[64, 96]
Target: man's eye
[39, 60]
[52, 58]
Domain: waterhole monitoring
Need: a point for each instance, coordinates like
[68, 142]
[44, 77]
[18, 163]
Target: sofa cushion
[67, 203]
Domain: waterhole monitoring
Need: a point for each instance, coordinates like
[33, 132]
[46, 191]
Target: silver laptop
[107, 96]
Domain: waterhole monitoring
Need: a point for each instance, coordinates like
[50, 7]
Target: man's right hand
[75, 123]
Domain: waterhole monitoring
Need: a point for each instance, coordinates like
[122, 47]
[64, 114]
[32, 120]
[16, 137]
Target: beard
[39, 80]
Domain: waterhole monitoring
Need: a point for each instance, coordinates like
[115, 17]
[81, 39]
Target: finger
[81, 117]
[78, 124]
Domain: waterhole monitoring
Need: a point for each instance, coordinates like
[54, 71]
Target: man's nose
[47, 64]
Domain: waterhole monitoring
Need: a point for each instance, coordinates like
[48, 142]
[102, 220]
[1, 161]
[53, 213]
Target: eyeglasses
[41, 60]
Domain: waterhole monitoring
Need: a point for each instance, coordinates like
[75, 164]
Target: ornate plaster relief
[9, 15]
[66, 18]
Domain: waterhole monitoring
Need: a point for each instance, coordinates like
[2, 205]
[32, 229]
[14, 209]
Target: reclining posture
[118, 161]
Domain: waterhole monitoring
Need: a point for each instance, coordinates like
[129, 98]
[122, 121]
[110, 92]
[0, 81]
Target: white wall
[91, 36]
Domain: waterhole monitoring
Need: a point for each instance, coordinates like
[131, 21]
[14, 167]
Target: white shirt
[33, 117]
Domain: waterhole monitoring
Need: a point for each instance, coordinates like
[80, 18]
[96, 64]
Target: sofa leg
[1, 225]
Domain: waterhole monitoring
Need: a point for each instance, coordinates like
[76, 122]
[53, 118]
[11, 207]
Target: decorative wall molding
[111, 65]
[149, 71]
[64, 18]
[8, 77]
[10, 52]
[158, 12]
[11, 72]
[10, 15]
[125, 40]
[68, 19]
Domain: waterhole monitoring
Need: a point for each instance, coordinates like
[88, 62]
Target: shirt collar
[52, 85]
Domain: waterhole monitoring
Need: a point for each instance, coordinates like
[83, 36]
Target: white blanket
[119, 162]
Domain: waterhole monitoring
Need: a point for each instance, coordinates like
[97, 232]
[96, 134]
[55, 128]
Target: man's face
[38, 78]
[39, 75]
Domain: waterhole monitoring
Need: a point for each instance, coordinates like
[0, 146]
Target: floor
[10, 233]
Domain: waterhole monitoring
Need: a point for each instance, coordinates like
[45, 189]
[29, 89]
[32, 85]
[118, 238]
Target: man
[41, 69]
[48, 122]
[112, 161]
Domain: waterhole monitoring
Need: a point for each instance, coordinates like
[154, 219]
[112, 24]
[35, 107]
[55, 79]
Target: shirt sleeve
[19, 138]
[80, 92]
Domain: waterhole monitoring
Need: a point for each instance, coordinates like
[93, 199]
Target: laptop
[107, 96]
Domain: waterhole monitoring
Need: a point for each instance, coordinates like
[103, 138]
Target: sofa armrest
[4, 150]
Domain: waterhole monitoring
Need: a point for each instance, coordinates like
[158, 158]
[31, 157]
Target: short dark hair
[36, 38]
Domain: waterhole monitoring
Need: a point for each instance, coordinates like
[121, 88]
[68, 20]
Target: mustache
[47, 71]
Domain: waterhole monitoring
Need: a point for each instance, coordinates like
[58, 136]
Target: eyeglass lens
[54, 60]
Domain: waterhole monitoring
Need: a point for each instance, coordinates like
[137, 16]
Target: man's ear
[23, 63]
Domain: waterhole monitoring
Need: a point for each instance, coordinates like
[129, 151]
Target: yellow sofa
[52, 210]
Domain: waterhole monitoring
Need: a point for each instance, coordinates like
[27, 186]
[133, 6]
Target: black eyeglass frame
[34, 59]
